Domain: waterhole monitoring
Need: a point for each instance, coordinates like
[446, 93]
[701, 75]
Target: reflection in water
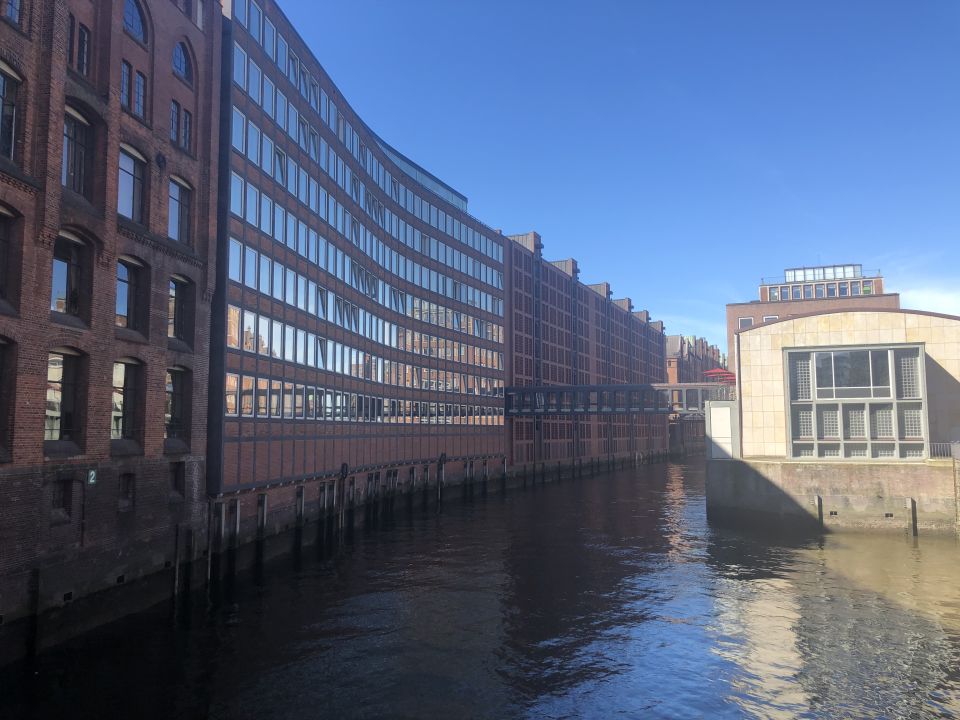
[585, 599]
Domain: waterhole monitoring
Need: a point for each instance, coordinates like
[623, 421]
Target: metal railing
[945, 450]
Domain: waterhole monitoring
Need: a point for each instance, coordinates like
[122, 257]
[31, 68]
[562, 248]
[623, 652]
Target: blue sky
[678, 149]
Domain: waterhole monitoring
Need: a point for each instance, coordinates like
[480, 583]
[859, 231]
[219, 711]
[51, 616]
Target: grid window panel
[828, 421]
[908, 373]
[854, 421]
[884, 450]
[855, 450]
[800, 377]
[803, 422]
[881, 421]
[911, 421]
[912, 452]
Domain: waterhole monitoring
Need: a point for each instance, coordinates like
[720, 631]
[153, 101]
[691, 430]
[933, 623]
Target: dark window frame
[9, 90]
[126, 84]
[180, 203]
[176, 410]
[137, 180]
[179, 310]
[139, 108]
[67, 423]
[84, 37]
[175, 111]
[73, 254]
[136, 287]
[125, 421]
[75, 173]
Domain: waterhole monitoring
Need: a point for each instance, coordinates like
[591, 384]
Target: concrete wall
[865, 496]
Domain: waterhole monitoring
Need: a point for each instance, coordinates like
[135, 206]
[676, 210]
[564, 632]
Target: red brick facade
[81, 509]
[562, 332]
[688, 358]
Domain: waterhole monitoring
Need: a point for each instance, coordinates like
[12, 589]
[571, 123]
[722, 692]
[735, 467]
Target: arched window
[133, 21]
[181, 63]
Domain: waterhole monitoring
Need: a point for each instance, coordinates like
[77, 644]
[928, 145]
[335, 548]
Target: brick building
[806, 290]
[358, 324]
[107, 194]
[563, 332]
[689, 357]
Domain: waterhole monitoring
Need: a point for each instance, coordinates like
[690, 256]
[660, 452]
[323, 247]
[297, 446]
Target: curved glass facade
[361, 313]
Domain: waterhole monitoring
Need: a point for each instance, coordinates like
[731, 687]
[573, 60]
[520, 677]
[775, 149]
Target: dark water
[600, 598]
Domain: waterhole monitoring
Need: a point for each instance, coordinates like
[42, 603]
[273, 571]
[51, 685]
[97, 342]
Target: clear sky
[678, 149]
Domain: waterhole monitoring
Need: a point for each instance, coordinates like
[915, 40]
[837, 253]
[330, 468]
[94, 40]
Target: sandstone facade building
[848, 418]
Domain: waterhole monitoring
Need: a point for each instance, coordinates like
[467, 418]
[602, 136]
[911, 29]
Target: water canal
[595, 598]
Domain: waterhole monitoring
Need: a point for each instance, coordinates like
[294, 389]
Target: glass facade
[862, 402]
[357, 285]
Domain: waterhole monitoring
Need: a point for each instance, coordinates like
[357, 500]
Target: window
[178, 217]
[246, 396]
[744, 322]
[68, 259]
[769, 318]
[126, 73]
[8, 114]
[83, 50]
[178, 316]
[125, 400]
[186, 131]
[175, 122]
[140, 95]
[6, 259]
[62, 417]
[130, 186]
[235, 260]
[77, 149]
[181, 63]
[133, 22]
[231, 388]
[857, 408]
[131, 303]
[239, 66]
[11, 10]
[233, 326]
[175, 407]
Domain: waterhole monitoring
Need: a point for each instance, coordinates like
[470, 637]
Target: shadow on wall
[743, 496]
[943, 403]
